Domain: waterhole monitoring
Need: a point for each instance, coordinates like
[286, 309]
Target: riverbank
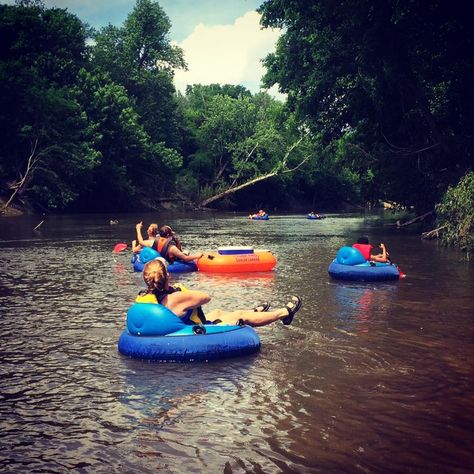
[159, 205]
[10, 211]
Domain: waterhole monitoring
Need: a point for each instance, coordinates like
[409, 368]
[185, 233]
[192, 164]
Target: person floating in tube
[181, 303]
[167, 243]
[260, 213]
[364, 247]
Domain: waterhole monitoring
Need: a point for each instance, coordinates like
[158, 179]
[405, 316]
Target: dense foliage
[87, 127]
[44, 130]
[456, 214]
[234, 137]
[392, 80]
[379, 107]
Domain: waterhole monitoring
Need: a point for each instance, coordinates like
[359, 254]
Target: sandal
[295, 303]
[265, 305]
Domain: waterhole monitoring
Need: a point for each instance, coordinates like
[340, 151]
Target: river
[370, 377]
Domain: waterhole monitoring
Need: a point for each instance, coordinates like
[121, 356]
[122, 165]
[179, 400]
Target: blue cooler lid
[234, 250]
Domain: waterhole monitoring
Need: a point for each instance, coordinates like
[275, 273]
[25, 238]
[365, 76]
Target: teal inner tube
[351, 265]
[147, 254]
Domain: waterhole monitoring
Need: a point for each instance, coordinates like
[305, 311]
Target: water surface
[368, 378]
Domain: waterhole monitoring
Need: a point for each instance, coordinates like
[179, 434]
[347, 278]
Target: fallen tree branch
[433, 234]
[297, 166]
[38, 226]
[245, 161]
[18, 186]
[416, 219]
[216, 197]
[279, 169]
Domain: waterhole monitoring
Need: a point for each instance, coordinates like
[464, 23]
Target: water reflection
[358, 304]
[235, 280]
[121, 274]
[163, 385]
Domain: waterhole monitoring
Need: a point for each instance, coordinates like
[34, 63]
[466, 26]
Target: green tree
[46, 142]
[132, 167]
[239, 140]
[394, 76]
[455, 214]
[140, 57]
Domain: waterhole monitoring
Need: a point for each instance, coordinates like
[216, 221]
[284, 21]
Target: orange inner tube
[263, 261]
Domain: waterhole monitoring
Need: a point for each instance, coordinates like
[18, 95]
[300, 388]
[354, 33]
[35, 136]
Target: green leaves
[140, 46]
[46, 142]
[379, 106]
[140, 57]
[455, 214]
[240, 139]
[391, 72]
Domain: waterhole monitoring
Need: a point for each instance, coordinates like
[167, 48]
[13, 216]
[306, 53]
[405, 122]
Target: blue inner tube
[218, 342]
[364, 271]
[155, 333]
[176, 267]
[261, 218]
[312, 217]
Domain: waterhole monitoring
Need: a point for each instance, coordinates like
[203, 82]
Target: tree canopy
[47, 144]
[379, 107]
[392, 79]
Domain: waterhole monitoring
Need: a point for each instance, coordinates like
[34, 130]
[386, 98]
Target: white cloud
[227, 54]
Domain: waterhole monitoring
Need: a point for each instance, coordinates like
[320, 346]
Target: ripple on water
[369, 378]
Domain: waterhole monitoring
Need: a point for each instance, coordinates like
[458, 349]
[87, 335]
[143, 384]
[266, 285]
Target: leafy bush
[456, 213]
[188, 186]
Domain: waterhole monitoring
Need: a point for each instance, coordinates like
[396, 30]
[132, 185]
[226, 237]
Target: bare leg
[257, 318]
[252, 318]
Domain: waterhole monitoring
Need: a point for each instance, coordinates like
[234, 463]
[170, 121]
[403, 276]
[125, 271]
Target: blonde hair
[153, 228]
[155, 275]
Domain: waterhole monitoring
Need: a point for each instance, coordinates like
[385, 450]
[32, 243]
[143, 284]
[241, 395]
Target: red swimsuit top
[364, 249]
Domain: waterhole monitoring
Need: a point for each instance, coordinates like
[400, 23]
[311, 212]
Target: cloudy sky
[222, 39]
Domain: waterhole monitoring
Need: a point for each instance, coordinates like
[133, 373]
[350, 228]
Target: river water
[368, 378]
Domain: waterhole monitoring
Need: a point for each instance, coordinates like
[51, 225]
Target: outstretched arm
[173, 250]
[182, 301]
[381, 257]
[140, 240]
